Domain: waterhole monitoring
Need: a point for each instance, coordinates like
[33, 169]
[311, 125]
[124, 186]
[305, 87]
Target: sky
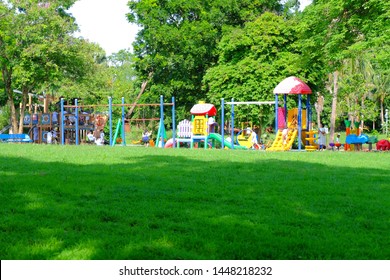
[104, 22]
[304, 3]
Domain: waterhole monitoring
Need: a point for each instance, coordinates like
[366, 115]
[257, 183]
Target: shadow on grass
[166, 207]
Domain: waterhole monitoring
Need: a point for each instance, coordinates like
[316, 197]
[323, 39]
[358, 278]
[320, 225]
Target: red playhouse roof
[292, 85]
[204, 109]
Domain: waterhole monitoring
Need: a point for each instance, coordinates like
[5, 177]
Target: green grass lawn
[90, 202]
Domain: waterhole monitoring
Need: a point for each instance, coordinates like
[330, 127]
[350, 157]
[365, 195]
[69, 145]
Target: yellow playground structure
[279, 145]
[245, 136]
[308, 136]
[310, 140]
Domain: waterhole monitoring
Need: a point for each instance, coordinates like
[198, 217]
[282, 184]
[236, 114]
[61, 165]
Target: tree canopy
[206, 50]
[178, 39]
[39, 53]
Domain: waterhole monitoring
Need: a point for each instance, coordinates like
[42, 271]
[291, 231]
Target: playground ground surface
[91, 202]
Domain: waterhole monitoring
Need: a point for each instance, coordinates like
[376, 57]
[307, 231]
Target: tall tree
[37, 48]
[252, 61]
[345, 27]
[123, 74]
[178, 38]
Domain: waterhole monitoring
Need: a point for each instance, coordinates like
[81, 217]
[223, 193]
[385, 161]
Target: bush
[375, 132]
[4, 116]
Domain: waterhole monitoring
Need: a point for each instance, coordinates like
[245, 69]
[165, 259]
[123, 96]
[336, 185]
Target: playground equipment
[184, 133]
[200, 116]
[243, 140]
[161, 134]
[99, 121]
[279, 145]
[24, 138]
[75, 123]
[39, 123]
[354, 138]
[347, 132]
[383, 145]
[356, 141]
[59, 124]
[310, 138]
[198, 130]
[296, 120]
[248, 138]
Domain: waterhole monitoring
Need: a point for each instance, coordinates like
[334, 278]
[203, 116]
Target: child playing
[255, 143]
[285, 135]
[146, 137]
[338, 144]
[321, 137]
[90, 137]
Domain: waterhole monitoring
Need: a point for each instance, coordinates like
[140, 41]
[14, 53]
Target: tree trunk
[334, 106]
[382, 99]
[143, 87]
[7, 78]
[23, 108]
[318, 118]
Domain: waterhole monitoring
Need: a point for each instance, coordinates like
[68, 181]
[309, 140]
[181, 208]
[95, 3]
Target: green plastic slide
[218, 137]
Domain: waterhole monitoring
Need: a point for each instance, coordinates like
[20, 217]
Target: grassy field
[90, 202]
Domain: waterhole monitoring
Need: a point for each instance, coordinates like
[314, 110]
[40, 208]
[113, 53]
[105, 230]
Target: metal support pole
[308, 112]
[76, 129]
[223, 123]
[110, 117]
[173, 123]
[162, 120]
[387, 122]
[285, 109]
[123, 122]
[62, 122]
[232, 124]
[299, 121]
[276, 113]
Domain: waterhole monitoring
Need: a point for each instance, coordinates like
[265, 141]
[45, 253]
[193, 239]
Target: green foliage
[351, 38]
[178, 39]
[94, 85]
[37, 49]
[3, 94]
[355, 91]
[4, 116]
[252, 61]
[124, 75]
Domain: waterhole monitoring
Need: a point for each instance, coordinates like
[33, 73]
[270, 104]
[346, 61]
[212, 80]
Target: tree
[29, 44]
[121, 66]
[346, 27]
[37, 49]
[95, 83]
[178, 38]
[252, 61]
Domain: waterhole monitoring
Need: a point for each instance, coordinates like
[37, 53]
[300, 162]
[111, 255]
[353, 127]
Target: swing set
[120, 128]
[78, 129]
[243, 137]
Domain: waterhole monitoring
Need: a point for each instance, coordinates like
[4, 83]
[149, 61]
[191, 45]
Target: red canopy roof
[204, 109]
[292, 85]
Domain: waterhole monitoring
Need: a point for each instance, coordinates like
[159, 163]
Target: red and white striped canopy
[292, 85]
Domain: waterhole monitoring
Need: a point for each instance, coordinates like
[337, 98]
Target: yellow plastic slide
[278, 145]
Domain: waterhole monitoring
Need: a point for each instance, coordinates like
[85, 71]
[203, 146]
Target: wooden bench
[15, 138]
